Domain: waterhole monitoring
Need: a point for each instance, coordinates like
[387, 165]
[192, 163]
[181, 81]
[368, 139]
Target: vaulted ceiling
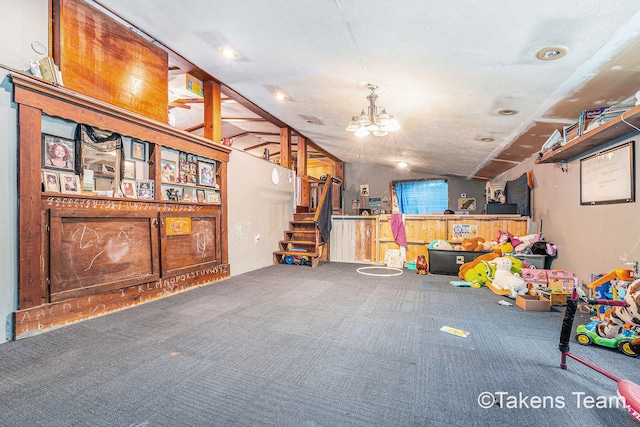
[445, 70]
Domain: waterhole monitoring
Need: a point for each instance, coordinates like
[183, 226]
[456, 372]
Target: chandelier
[375, 120]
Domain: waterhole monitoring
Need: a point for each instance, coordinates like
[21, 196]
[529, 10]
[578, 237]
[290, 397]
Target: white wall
[590, 239]
[256, 207]
[24, 21]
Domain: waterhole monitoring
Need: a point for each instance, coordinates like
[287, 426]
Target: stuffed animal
[473, 244]
[489, 246]
[504, 245]
[503, 249]
[421, 265]
[616, 317]
[468, 272]
[440, 244]
[526, 242]
[504, 279]
[480, 274]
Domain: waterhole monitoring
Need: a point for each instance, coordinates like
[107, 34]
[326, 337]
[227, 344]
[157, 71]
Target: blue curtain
[422, 197]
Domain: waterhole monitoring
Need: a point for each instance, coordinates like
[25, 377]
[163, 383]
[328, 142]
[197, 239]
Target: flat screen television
[501, 208]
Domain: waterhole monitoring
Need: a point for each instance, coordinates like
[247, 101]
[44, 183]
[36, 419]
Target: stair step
[309, 254]
[299, 242]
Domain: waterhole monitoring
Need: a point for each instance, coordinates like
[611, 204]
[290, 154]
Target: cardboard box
[533, 303]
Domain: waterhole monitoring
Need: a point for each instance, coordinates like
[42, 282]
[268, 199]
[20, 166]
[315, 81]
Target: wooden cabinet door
[96, 251]
[189, 240]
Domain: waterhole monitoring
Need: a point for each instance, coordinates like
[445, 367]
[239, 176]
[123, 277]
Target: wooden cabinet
[611, 130]
[82, 256]
[189, 240]
[93, 250]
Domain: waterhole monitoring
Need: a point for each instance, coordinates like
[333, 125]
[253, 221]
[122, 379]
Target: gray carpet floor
[296, 346]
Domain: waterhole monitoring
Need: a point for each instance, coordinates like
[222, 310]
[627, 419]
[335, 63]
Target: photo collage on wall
[187, 169]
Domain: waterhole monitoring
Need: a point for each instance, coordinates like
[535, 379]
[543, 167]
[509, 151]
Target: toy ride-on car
[586, 334]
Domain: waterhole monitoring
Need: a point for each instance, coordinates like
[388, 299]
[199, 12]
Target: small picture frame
[144, 189]
[212, 197]
[58, 153]
[200, 195]
[129, 188]
[174, 194]
[51, 181]
[206, 174]
[189, 194]
[138, 150]
[168, 171]
[69, 183]
[130, 169]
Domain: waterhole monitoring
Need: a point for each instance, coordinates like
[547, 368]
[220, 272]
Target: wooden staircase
[302, 244]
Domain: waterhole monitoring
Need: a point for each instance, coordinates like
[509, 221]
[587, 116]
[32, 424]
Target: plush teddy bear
[504, 279]
[473, 244]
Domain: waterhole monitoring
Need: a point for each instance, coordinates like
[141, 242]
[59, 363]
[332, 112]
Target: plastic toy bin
[449, 262]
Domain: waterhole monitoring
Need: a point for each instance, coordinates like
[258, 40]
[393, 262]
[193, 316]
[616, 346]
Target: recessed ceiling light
[487, 139]
[228, 52]
[507, 112]
[403, 164]
[312, 122]
[280, 96]
[551, 53]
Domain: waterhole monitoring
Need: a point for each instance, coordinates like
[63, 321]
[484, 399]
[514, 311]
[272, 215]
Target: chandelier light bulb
[362, 132]
[352, 127]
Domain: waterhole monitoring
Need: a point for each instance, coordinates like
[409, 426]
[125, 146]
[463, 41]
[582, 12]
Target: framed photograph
[174, 194]
[130, 169]
[200, 195]
[189, 195]
[51, 181]
[138, 150]
[144, 189]
[206, 174]
[129, 188]
[58, 153]
[168, 171]
[187, 169]
[212, 197]
[69, 183]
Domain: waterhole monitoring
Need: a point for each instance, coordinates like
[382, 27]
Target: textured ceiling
[446, 68]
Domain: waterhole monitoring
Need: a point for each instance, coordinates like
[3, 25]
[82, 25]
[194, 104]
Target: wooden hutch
[81, 255]
[87, 253]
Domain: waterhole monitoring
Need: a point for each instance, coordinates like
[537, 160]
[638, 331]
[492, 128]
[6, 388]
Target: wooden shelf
[611, 130]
